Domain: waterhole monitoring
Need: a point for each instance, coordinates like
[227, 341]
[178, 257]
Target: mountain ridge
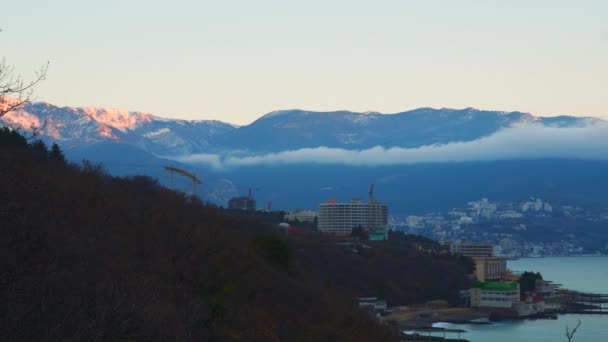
[148, 142]
[273, 132]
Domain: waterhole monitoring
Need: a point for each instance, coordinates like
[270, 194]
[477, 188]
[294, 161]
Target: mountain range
[129, 142]
[273, 132]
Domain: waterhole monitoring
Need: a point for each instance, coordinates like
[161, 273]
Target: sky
[235, 60]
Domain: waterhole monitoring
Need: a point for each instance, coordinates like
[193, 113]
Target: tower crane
[172, 170]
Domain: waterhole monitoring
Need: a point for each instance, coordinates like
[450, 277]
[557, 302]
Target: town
[495, 291]
[531, 228]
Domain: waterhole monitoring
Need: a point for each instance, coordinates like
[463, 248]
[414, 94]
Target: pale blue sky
[235, 60]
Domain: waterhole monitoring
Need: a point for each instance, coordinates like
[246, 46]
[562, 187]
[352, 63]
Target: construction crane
[172, 170]
[371, 193]
[250, 191]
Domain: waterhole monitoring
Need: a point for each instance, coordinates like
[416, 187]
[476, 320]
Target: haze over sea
[577, 273]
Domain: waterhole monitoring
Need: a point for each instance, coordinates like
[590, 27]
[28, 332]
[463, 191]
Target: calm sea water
[589, 274]
[577, 273]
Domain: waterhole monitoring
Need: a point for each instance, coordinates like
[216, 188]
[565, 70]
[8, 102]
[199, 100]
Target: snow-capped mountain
[273, 132]
[129, 142]
[80, 127]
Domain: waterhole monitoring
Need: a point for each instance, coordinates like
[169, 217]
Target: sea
[582, 273]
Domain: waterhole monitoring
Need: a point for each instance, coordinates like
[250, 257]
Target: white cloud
[519, 142]
[212, 160]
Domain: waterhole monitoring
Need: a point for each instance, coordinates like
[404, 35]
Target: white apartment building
[341, 218]
[484, 208]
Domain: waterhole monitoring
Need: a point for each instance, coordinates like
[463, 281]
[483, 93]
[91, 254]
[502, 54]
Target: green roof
[494, 286]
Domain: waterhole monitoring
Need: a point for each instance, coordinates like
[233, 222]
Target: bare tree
[14, 91]
[570, 334]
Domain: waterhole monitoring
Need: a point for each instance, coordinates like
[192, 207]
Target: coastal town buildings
[494, 294]
[513, 227]
[490, 268]
[470, 249]
[340, 218]
[482, 209]
[301, 215]
[486, 265]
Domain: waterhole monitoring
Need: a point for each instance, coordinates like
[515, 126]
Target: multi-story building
[490, 268]
[242, 203]
[483, 209]
[301, 215]
[494, 294]
[341, 218]
[372, 304]
[470, 249]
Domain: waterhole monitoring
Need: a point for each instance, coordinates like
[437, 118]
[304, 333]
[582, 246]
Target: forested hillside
[88, 256]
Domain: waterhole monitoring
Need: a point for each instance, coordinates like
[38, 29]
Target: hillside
[89, 256]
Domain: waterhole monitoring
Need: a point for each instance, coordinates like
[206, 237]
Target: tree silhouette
[40, 150]
[11, 139]
[56, 154]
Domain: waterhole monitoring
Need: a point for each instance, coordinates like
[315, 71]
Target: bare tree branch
[570, 334]
[32, 131]
[14, 91]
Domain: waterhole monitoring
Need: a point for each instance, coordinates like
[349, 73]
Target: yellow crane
[186, 174]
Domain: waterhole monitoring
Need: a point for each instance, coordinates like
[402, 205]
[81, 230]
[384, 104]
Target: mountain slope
[87, 256]
[274, 132]
[87, 126]
[295, 129]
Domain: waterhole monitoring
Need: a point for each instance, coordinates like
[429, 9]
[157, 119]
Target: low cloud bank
[519, 142]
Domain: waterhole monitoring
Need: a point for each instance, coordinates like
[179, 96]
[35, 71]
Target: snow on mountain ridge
[77, 127]
[163, 130]
[124, 120]
[22, 119]
[275, 131]
[118, 118]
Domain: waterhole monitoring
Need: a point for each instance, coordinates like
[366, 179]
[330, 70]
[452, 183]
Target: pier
[415, 336]
[569, 301]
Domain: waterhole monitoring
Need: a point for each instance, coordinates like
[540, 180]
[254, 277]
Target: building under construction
[242, 203]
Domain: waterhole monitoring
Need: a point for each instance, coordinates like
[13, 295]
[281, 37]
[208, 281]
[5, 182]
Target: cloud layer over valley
[529, 141]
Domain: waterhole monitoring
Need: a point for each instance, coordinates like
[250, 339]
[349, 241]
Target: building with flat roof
[242, 203]
[494, 294]
[490, 268]
[470, 249]
[372, 304]
[341, 218]
[301, 215]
